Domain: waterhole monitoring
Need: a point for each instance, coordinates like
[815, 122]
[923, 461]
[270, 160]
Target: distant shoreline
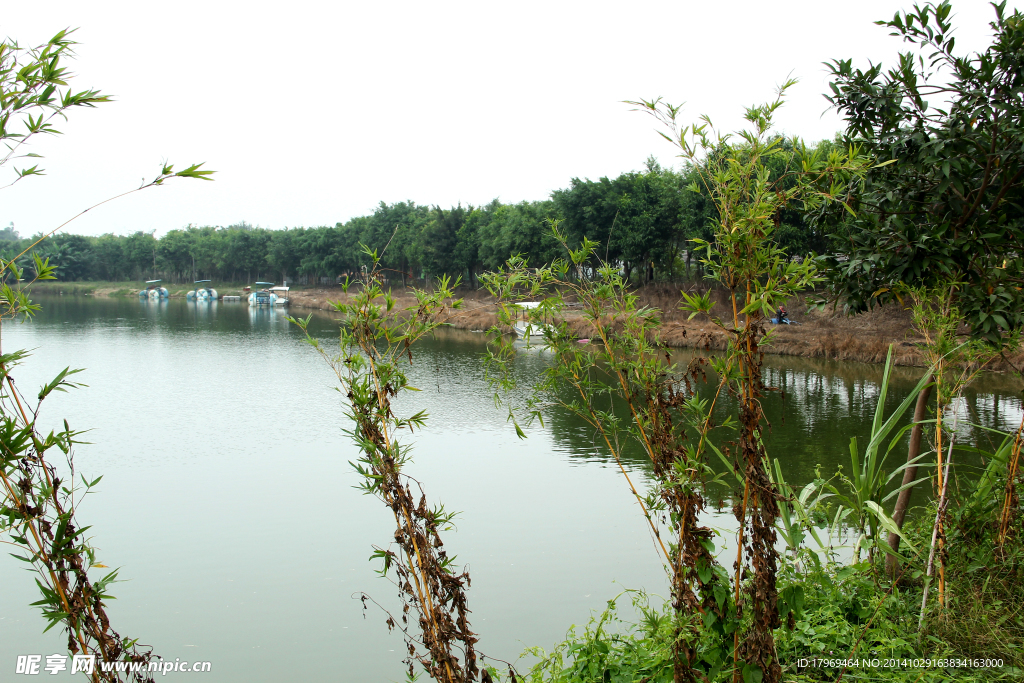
[863, 337]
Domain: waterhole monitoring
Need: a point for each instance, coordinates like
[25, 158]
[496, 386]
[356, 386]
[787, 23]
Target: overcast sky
[314, 112]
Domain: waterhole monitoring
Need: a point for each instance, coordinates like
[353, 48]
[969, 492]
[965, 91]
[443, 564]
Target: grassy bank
[124, 289]
[845, 612]
[821, 334]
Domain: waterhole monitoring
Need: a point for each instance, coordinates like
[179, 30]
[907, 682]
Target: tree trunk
[899, 512]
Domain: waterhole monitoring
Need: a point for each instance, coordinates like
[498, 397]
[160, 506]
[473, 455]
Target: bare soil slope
[825, 334]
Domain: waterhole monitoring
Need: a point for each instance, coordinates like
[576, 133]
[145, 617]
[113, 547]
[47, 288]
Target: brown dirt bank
[822, 334]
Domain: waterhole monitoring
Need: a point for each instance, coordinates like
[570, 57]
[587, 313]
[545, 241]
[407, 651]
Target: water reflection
[154, 306]
[266, 318]
[240, 531]
[818, 406]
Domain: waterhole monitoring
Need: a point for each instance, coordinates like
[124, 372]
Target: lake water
[228, 501]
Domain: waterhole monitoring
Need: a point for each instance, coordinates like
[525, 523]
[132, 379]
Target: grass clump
[833, 612]
[609, 648]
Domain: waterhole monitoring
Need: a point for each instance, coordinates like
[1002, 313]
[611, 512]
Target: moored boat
[262, 295]
[202, 293]
[282, 295]
[153, 290]
[527, 330]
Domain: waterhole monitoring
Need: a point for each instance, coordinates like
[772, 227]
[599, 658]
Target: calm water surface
[228, 502]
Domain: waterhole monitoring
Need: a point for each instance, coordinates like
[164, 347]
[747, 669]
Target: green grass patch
[845, 612]
[125, 289]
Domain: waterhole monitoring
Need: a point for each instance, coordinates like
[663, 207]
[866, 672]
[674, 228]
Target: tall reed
[956, 362]
[1011, 500]
[869, 478]
[376, 342]
[623, 363]
[744, 258]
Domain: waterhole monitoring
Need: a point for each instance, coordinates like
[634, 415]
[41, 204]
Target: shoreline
[864, 337]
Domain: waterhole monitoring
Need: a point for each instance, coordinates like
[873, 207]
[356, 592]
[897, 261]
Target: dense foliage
[644, 221]
[843, 613]
[945, 205]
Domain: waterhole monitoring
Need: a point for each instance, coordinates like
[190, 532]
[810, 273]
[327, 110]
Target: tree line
[644, 221]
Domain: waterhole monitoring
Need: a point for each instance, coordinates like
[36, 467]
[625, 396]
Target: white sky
[313, 112]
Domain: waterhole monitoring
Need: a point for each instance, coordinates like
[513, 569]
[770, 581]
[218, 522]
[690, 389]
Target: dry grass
[822, 334]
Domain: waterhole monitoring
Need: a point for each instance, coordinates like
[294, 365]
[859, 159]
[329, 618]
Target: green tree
[175, 254]
[636, 218]
[283, 253]
[647, 219]
[505, 230]
[439, 240]
[246, 251]
[944, 204]
[109, 257]
[942, 211]
[588, 208]
[208, 251]
[467, 243]
[140, 254]
[71, 255]
[394, 231]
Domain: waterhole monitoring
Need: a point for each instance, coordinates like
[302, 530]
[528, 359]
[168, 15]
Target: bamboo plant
[376, 342]
[625, 387]
[39, 498]
[956, 362]
[744, 258]
[39, 495]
